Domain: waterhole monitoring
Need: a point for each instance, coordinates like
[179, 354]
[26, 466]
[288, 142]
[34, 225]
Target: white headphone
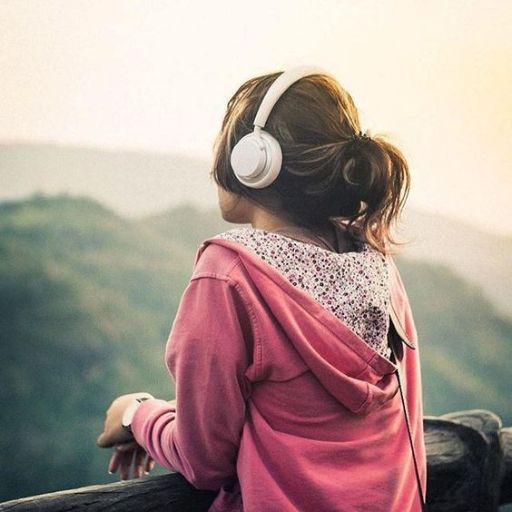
[257, 157]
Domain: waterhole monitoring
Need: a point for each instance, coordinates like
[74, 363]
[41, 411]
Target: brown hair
[327, 174]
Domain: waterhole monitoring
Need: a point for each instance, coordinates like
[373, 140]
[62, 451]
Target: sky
[156, 75]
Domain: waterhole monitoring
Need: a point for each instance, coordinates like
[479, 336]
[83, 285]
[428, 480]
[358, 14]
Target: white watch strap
[129, 412]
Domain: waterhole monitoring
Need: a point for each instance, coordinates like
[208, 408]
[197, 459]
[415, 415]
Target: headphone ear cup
[256, 160]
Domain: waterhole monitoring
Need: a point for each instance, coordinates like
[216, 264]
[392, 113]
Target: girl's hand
[124, 455]
[113, 432]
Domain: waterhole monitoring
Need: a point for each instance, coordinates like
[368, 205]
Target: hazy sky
[434, 75]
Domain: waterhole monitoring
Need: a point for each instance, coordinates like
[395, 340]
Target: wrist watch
[126, 421]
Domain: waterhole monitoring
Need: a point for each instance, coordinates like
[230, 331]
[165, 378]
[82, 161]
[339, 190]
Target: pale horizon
[156, 77]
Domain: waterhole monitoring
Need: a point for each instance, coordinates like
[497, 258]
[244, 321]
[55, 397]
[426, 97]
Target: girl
[287, 339]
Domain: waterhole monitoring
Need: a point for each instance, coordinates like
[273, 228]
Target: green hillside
[465, 345]
[87, 299]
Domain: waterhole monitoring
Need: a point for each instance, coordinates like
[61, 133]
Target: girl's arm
[208, 353]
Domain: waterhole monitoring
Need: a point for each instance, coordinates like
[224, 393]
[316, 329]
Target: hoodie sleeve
[208, 353]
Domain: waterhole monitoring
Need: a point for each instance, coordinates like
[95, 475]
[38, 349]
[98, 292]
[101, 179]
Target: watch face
[129, 412]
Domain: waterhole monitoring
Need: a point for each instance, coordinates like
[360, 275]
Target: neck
[262, 219]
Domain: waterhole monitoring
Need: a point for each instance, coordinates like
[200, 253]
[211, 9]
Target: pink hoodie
[279, 405]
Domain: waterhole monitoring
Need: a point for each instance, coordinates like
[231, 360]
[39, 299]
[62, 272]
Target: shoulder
[244, 235]
[214, 259]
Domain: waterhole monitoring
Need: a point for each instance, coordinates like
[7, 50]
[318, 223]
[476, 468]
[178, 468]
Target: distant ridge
[133, 183]
[480, 257]
[145, 184]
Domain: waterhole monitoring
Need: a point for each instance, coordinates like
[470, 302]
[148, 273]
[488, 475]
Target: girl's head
[326, 173]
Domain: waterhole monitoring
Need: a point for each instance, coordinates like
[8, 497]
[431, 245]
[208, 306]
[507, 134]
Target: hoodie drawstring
[422, 499]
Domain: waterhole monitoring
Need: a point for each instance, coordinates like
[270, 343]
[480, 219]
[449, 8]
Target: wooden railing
[469, 458]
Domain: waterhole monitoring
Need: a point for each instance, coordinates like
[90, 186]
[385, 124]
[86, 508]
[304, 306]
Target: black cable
[420, 491]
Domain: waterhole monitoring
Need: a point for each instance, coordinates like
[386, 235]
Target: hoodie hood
[353, 372]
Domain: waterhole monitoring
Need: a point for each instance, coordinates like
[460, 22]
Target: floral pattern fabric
[354, 285]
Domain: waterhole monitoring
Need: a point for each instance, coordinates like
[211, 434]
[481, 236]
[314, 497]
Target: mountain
[136, 183]
[132, 183]
[464, 341]
[87, 300]
[480, 257]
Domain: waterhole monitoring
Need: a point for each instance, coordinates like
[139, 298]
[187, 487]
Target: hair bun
[358, 176]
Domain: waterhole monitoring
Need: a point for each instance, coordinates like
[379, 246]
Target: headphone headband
[279, 86]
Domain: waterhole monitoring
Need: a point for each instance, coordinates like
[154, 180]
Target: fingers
[108, 439]
[138, 463]
[103, 441]
[125, 462]
[121, 460]
[127, 446]
[113, 463]
[149, 464]
[127, 454]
